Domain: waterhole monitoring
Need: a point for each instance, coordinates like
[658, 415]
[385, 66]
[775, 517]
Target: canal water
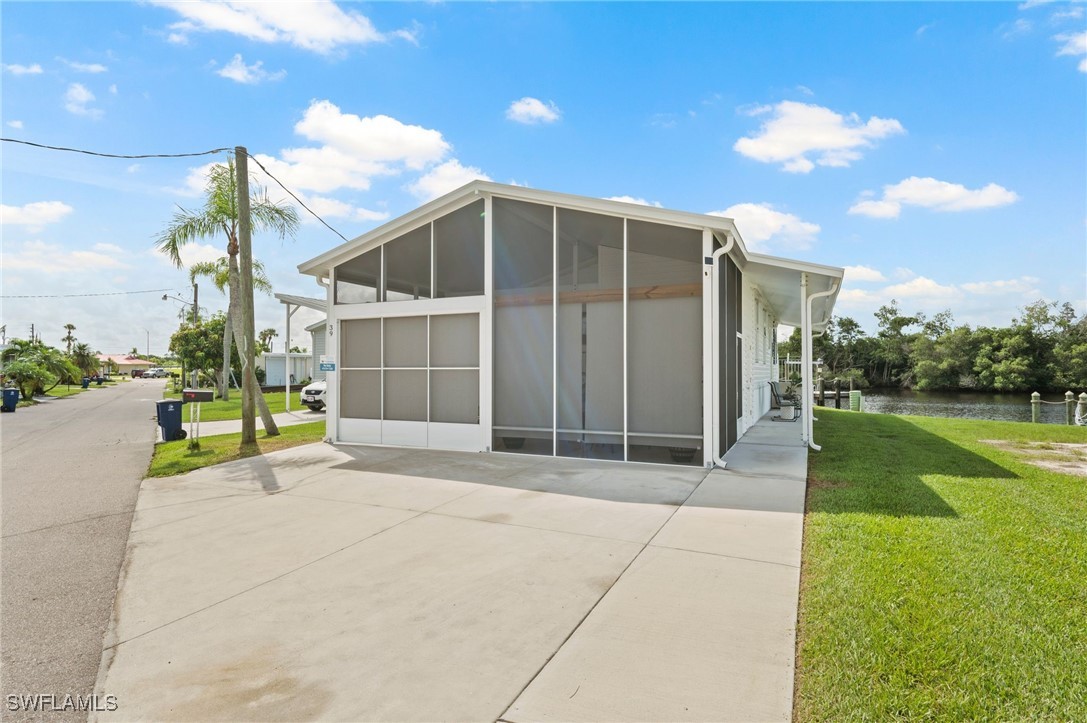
[967, 405]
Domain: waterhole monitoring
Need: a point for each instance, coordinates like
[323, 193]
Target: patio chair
[778, 397]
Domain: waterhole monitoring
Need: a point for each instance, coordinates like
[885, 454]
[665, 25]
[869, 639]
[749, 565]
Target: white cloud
[113, 89]
[1067, 13]
[77, 100]
[933, 194]
[632, 199]
[863, 273]
[16, 124]
[53, 259]
[35, 214]
[924, 28]
[84, 67]
[375, 138]
[1019, 27]
[444, 178]
[876, 209]
[531, 111]
[108, 248]
[923, 287]
[16, 69]
[332, 208]
[1074, 44]
[796, 130]
[320, 26]
[1027, 285]
[762, 227]
[239, 72]
[133, 168]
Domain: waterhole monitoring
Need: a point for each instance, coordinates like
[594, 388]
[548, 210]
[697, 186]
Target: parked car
[136, 373]
[155, 373]
[313, 395]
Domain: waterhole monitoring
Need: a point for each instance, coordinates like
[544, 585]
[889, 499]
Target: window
[458, 252]
[523, 236]
[358, 280]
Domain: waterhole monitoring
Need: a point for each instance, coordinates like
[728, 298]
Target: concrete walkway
[364, 583]
[228, 426]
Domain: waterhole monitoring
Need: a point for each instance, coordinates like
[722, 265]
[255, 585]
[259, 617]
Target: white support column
[710, 360]
[486, 331]
[287, 359]
[805, 361]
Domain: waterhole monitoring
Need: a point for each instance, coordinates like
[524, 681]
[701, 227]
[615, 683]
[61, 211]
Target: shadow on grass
[876, 464]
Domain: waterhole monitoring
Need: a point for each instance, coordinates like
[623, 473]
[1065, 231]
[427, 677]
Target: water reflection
[967, 405]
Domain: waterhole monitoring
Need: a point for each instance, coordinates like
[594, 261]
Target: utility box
[856, 403]
[198, 395]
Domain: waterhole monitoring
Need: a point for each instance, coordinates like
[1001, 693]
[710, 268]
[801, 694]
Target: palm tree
[219, 273]
[220, 215]
[48, 360]
[68, 337]
[84, 357]
[266, 336]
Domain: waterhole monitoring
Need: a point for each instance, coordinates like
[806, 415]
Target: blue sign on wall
[328, 366]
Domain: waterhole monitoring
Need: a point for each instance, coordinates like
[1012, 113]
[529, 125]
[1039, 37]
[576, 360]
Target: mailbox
[198, 395]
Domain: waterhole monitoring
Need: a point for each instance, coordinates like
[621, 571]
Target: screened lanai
[525, 322]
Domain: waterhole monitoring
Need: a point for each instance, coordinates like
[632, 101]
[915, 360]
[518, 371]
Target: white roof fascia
[467, 193]
[316, 304]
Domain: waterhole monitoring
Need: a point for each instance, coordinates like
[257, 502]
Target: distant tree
[135, 351]
[68, 338]
[33, 365]
[85, 359]
[266, 336]
[220, 215]
[198, 347]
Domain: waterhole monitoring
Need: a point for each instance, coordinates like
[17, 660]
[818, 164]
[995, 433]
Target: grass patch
[219, 410]
[172, 458]
[943, 576]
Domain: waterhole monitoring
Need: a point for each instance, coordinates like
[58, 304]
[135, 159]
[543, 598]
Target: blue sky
[939, 151]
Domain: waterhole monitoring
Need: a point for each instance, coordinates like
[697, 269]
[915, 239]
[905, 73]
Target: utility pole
[31, 333]
[245, 262]
[195, 322]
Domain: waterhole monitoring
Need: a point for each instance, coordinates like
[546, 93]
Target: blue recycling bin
[169, 415]
[86, 382]
[11, 399]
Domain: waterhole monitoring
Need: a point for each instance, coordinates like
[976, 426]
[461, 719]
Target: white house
[501, 318]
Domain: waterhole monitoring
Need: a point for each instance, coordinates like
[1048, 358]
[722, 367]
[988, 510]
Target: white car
[155, 373]
[313, 395]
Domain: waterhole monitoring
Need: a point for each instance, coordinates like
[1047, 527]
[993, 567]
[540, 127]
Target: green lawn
[171, 458]
[943, 577]
[219, 410]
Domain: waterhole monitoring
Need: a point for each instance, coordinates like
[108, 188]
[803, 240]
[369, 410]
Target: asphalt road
[69, 475]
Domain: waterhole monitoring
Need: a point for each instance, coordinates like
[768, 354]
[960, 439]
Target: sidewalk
[370, 583]
[228, 426]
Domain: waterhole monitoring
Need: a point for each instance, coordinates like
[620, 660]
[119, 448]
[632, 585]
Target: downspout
[716, 350]
[810, 416]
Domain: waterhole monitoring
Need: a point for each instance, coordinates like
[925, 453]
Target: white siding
[320, 336]
[759, 327]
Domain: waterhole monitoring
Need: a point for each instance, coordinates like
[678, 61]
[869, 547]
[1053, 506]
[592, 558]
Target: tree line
[1044, 349]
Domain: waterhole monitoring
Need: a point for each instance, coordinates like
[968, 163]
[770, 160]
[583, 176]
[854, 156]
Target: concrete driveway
[362, 583]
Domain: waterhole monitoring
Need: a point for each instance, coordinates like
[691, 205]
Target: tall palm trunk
[234, 315]
[226, 356]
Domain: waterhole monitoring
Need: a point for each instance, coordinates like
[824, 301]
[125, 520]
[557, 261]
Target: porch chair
[779, 397]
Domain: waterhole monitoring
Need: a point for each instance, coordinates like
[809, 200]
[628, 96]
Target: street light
[148, 341]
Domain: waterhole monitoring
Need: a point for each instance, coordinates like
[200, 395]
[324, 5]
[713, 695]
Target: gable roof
[780, 277]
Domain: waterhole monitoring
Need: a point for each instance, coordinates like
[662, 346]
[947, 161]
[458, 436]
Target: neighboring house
[318, 336]
[124, 363]
[273, 364]
[501, 318]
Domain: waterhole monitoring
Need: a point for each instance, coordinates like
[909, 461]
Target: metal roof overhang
[316, 304]
[779, 280]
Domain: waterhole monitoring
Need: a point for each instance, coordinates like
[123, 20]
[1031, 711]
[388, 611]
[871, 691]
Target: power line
[296, 198]
[171, 155]
[72, 296]
[115, 155]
